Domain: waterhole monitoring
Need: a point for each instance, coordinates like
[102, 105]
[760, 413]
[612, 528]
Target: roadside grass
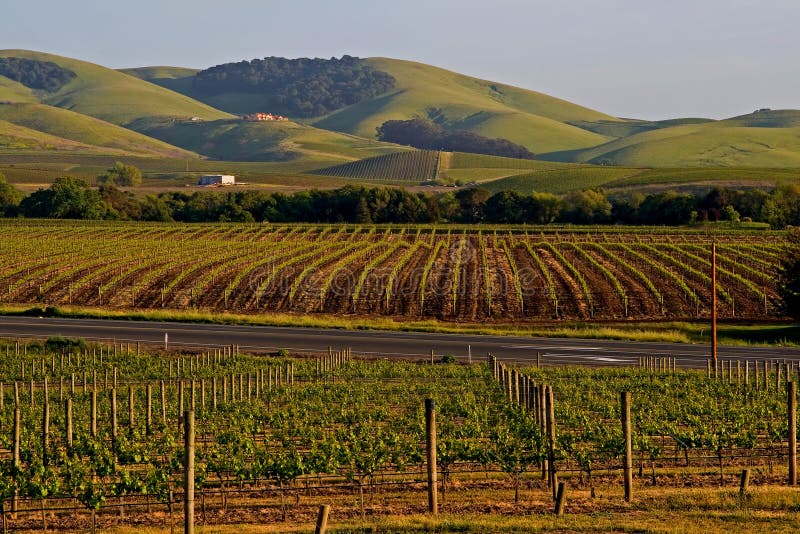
[780, 334]
[654, 510]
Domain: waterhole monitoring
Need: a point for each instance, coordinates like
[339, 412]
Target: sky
[648, 59]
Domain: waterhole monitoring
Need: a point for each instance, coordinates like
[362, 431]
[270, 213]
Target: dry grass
[654, 510]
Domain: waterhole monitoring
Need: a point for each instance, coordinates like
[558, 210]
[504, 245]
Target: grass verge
[778, 334]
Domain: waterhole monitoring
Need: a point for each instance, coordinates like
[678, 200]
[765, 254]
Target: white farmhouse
[217, 179]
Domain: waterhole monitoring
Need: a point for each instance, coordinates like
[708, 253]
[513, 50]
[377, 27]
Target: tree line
[300, 87]
[428, 135]
[35, 74]
[73, 198]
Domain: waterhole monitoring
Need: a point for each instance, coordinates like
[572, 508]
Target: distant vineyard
[464, 274]
[414, 166]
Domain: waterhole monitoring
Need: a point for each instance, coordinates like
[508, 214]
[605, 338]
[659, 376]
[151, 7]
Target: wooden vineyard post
[68, 417]
[744, 482]
[322, 519]
[114, 416]
[188, 474]
[149, 420]
[430, 432]
[93, 409]
[163, 403]
[628, 453]
[16, 458]
[214, 393]
[561, 498]
[45, 431]
[131, 408]
[543, 424]
[792, 413]
[551, 437]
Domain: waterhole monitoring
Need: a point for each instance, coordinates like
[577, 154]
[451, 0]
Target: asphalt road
[400, 344]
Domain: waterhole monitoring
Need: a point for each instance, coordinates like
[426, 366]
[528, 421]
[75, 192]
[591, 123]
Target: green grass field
[235, 140]
[56, 128]
[536, 120]
[766, 139]
[495, 110]
[113, 96]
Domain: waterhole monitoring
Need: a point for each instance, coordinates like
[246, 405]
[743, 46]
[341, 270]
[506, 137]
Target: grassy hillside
[765, 139]
[575, 177]
[628, 127]
[14, 137]
[111, 95]
[235, 140]
[82, 132]
[174, 78]
[533, 119]
[494, 110]
[11, 91]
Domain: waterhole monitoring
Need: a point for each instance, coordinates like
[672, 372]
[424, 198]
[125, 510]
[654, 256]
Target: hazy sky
[631, 58]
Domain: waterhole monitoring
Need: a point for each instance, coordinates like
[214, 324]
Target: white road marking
[605, 359]
[539, 347]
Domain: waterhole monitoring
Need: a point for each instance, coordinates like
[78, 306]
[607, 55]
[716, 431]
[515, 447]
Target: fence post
[628, 455]
[551, 437]
[744, 482]
[792, 412]
[322, 519]
[149, 420]
[561, 498]
[93, 409]
[16, 458]
[188, 475]
[430, 427]
[68, 417]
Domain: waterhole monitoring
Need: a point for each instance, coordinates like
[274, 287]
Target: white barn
[217, 179]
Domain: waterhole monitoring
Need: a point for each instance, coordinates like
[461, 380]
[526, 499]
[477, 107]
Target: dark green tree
[9, 198]
[121, 175]
[586, 207]
[67, 198]
[471, 203]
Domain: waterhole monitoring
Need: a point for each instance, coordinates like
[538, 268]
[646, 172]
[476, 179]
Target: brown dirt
[505, 301]
[439, 287]
[371, 299]
[641, 302]
[537, 303]
[233, 249]
[571, 300]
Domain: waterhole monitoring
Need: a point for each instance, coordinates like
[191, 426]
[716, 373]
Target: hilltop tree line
[427, 135]
[44, 75]
[73, 198]
[301, 87]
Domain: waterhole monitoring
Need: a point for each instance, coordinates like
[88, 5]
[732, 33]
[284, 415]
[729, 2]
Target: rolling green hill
[62, 129]
[532, 119]
[235, 140]
[108, 94]
[572, 177]
[174, 78]
[98, 111]
[529, 118]
[761, 139]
